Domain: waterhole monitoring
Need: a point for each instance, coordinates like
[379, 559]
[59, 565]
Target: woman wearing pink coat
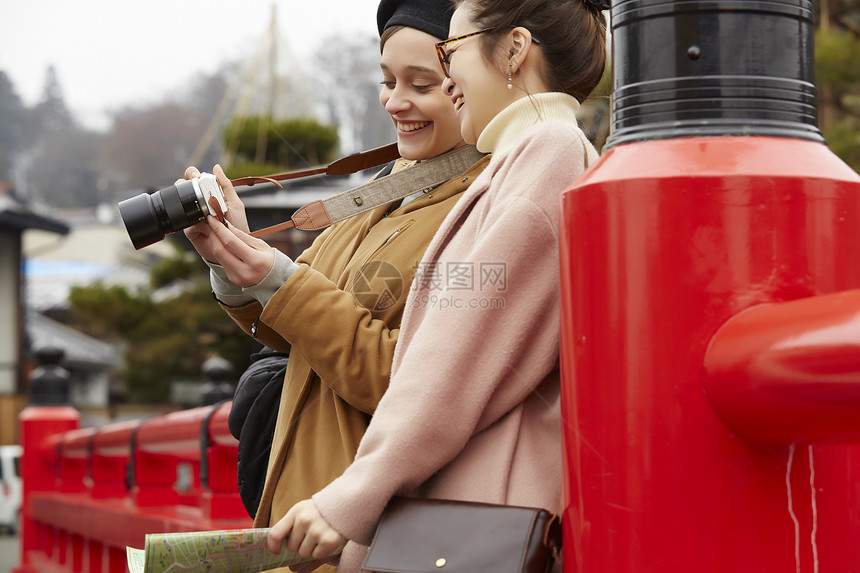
[473, 407]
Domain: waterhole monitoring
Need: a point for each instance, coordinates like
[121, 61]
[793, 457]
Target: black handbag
[417, 535]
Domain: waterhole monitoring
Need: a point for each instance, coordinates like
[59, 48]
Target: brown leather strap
[215, 208]
[424, 175]
[310, 217]
[288, 224]
[343, 166]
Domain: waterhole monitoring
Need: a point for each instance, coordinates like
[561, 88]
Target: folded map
[228, 551]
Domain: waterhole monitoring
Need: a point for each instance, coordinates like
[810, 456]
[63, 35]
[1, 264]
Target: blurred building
[89, 361]
[96, 248]
[15, 218]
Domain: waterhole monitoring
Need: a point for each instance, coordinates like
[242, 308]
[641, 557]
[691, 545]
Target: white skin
[484, 89]
[426, 127]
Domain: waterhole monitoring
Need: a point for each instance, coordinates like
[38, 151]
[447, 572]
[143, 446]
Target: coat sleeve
[466, 364]
[349, 349]
[247, 315]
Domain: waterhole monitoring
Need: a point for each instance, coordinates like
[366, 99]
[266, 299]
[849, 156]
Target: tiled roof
[15, 215]
[80, 349]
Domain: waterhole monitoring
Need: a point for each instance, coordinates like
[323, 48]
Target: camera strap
[422, 176]
[343, 166]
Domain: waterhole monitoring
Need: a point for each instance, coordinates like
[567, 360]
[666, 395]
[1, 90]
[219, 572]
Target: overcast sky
[113, 53]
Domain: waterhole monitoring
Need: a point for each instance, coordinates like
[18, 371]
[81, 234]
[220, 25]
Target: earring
[510, 76]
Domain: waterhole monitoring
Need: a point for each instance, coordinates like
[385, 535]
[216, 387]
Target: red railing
[90, 492]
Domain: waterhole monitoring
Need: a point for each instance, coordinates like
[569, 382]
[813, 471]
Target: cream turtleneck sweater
[504, 129]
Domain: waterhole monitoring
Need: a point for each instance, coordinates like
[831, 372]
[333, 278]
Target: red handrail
[90, 492]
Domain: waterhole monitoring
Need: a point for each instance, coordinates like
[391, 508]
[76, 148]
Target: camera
[149, 217]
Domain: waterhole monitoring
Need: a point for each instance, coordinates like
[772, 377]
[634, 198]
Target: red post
[710, 386]
[38, 473]
[789, 373]
[663, 243]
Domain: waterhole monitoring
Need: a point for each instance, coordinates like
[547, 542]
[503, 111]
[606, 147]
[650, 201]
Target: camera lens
[148, 218]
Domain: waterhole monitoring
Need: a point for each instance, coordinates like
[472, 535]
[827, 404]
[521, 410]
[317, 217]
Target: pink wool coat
[473, 407]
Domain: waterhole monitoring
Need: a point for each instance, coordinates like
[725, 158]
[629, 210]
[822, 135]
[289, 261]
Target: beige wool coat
[339, 315]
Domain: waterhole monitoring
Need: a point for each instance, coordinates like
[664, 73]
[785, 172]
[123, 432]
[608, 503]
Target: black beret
[431, 16]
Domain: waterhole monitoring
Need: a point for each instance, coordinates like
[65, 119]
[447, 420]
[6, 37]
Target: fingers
[228, 247]
[225, 183]
[278, 532]
[310, 535]
[246, 259]
[234, 240]
[235, 207]
[253, 242]
[199, 234]
[250, 240]
[191, 172]
[328, 541]
[295, 537]
[197, 230]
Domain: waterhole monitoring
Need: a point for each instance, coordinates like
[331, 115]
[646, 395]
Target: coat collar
[504, 130]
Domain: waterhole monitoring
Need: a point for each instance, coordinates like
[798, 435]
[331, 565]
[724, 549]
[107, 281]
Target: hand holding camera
[224, 239]
[149, 217]
[246, 259]
[233, 210]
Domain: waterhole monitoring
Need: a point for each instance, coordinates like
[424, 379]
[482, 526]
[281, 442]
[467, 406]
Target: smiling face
[412, 95]
[478, 88]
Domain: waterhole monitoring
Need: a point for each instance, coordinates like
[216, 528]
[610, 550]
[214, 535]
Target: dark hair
[572, 37]
[386, 34]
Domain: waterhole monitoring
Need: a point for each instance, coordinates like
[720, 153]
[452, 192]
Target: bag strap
[552, 538]
[422, 176]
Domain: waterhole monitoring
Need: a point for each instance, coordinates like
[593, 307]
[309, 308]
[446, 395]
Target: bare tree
[63, 169]
[150, 147]
[348, 74]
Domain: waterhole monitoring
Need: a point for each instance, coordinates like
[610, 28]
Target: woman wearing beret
[339, 325]
[473, 408]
